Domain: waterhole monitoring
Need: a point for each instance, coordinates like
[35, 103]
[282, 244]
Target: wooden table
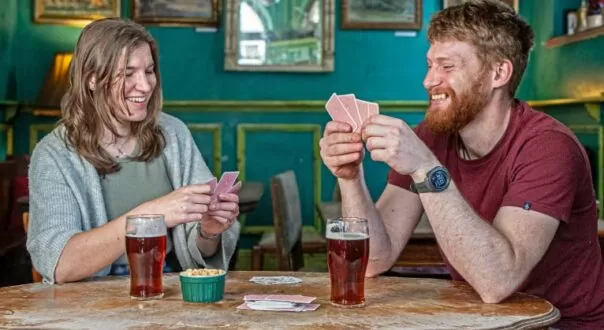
[420, 251]
[391, 302]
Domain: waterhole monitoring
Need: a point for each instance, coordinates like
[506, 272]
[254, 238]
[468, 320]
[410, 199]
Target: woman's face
[139, 84]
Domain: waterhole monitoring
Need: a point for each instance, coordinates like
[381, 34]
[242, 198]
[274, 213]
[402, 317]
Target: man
[507, 189]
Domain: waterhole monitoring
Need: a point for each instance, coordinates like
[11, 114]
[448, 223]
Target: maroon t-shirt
[539, 164]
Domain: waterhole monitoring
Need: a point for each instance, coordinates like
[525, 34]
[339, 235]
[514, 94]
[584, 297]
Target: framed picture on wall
[203, 13]
[512, 3]
[74, 12]
[382, 14]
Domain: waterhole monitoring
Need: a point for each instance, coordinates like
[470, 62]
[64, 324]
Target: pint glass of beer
[146, 249]
[347, 256]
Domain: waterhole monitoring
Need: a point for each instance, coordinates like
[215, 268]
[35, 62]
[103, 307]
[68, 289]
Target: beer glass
[146, 239]
[347, 256]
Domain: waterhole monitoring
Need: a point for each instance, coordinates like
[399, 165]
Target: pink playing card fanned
[350, 102]
[373, 109]
[232, 189]
[338, 112]
[212, 184]
[227, 180]
[363, 107]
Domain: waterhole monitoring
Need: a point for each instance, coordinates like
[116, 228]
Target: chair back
[8, 171]
[287, 219]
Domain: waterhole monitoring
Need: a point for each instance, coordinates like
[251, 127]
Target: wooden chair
[8, 171]
[36, 277]
[290, 240]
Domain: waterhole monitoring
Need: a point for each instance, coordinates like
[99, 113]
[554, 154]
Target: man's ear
[503, 73]
[92, 83]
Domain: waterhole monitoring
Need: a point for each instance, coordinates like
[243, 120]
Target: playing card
[227, 180]
[363, 107]
[277, 306]
[274, 280]
[212, 184]
[232, 189]
[373, 109]
[338, 111]
[279, 297]
[350, 103]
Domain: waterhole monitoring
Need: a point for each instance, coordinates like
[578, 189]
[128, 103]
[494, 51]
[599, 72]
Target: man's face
[458, 87]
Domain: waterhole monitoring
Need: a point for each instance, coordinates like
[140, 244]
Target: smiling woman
[115, 154]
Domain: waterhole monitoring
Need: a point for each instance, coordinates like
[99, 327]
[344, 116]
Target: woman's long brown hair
[85, 114]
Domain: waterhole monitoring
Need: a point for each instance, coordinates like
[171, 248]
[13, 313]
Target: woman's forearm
[88, 252]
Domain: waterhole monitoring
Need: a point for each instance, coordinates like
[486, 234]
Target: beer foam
[347, 236]
[146, 235]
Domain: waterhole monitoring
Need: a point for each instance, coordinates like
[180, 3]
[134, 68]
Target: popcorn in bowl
[202, 272]
[202, 285]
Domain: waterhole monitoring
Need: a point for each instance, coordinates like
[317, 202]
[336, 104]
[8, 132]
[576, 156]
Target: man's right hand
[341, 150]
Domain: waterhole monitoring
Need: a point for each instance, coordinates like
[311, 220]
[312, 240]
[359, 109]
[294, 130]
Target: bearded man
[507, 190]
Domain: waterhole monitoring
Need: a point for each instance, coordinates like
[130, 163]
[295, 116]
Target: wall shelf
[579, 36]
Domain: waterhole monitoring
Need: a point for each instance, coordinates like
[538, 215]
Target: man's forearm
[480, 253]
[88, 252]
[357, 202]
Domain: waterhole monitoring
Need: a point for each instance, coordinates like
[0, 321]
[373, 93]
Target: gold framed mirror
[279, 35]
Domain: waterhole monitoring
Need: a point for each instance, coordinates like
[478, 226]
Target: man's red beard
[462, 109]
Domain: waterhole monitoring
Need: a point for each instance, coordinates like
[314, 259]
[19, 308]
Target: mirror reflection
[279, 35]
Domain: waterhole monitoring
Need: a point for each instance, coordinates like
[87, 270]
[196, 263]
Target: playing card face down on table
[282, 303]
[348, 109]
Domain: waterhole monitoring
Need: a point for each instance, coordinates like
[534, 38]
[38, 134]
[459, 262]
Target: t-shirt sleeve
[404, 181]
[546, 176]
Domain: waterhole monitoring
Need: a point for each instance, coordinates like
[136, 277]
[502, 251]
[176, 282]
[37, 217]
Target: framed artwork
[382, 14]
[512, 3]
[74, 12]
[201, 13]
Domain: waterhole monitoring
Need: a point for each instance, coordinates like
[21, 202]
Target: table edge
[542, 321]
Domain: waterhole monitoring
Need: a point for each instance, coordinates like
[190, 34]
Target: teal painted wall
[569, 71]
[375, 65]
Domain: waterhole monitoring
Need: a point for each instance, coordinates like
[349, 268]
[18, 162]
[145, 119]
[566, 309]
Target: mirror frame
[327, 43]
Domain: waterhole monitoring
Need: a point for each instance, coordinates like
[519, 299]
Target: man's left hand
[392, 141]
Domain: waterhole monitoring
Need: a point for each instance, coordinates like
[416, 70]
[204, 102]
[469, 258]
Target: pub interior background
[262, 121]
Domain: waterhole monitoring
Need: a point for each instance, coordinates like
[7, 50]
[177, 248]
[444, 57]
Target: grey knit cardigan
[65, 198]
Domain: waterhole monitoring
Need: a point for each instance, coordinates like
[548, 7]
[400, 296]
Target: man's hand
[392, 141]
[341, 150]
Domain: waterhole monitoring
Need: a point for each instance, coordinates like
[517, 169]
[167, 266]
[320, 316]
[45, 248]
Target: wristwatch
[437, 180]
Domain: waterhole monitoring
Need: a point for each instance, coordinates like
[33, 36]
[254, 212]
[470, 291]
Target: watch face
[439, 180]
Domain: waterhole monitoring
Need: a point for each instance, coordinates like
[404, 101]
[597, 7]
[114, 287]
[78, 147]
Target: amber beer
[146, 250]
[347, 256]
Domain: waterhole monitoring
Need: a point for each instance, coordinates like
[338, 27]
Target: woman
[114, 153]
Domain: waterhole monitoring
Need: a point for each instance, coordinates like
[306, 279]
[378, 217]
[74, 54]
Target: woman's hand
[223, 212]
[186, 204]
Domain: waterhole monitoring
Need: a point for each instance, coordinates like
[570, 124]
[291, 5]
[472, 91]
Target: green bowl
[202, 289]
